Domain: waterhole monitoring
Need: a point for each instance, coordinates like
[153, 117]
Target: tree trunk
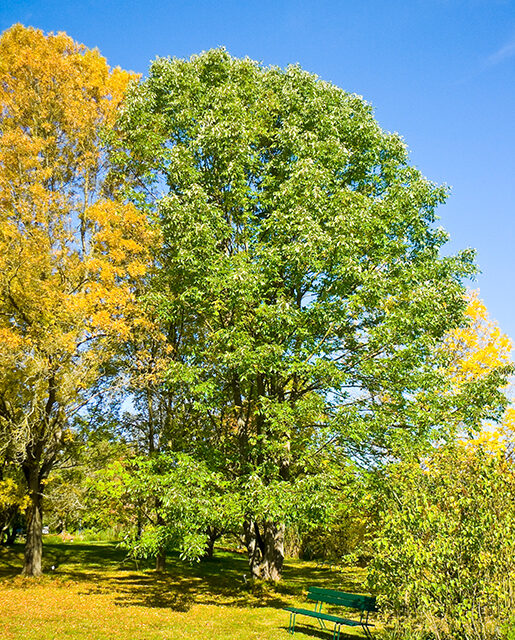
[213, 535]
[11, 533]
[12, 528]
[34, 540]
[161, 560]
[139, 521]
[161, 551]
[265, 549]
[5, 525]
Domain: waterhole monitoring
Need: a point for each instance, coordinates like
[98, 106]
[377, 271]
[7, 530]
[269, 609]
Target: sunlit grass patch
[94, 593]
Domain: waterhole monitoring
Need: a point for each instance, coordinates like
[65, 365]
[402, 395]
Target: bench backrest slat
[342, 599]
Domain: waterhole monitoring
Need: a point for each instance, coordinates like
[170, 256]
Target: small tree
[193, 503]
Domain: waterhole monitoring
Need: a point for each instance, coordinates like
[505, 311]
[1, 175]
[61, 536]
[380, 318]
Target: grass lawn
[94, 594]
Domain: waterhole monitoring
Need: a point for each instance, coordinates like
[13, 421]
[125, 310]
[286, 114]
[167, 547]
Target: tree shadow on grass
[11, 561]
[76, 561]
[221, 581]
[300, 575]
[86, 556]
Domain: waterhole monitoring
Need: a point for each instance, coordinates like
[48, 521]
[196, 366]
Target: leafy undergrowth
[93, 593]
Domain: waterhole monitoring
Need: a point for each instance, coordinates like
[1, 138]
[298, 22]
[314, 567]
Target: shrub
[445, 545]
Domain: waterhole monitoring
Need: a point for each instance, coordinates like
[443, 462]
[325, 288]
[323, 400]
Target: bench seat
[363, 604]
[324, 616]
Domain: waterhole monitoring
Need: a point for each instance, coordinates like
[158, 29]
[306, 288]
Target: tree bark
[161, 551]
[265, 547]
[7, 525]
[213, 534]
[161, 560]
[34, 540]
[11, 533]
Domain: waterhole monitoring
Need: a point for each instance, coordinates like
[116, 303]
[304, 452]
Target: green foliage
[299, 281]
[510, 629]
[341, 534]
[445, 542]
[70, 504]
[341, 539]
[170, 501]
[300, 275]
[13, 501]
[167, 501]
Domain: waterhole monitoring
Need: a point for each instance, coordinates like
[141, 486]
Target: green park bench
[364, 604]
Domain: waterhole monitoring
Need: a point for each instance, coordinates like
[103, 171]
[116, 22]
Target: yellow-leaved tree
[481, 353]
[71, 256]
[478, 348]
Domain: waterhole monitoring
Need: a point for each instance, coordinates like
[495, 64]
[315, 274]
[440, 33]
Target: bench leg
[318, 609]
[291, 628]
[367, 632]
[336, 632]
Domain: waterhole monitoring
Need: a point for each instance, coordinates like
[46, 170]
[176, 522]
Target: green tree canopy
[300, 277]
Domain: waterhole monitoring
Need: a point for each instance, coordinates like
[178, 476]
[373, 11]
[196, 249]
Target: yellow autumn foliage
[11, 496]
[71, 257]
[478, 348]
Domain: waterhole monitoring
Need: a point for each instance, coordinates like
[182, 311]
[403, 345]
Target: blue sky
[439, 72]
